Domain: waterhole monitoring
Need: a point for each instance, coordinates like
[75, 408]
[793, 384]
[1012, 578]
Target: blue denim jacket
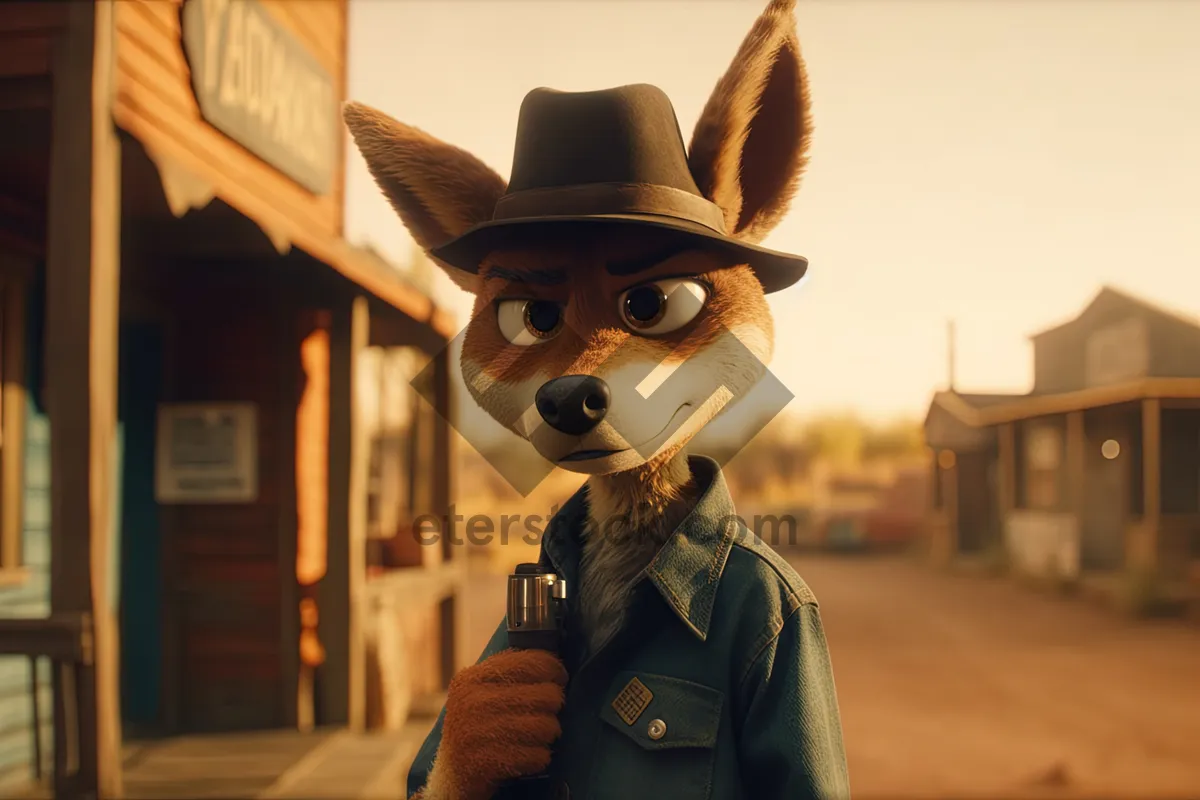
[719, 686]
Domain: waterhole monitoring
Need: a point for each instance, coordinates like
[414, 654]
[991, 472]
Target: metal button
[657, 729]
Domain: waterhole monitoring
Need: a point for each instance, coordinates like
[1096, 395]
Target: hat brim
[775, 270]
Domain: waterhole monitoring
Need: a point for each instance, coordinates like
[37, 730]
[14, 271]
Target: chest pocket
[659, 740]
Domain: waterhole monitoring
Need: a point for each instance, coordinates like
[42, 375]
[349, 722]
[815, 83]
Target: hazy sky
[994, 161]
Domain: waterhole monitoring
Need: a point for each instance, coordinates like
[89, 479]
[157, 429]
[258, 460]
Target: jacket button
[561, 791]
[657, 729]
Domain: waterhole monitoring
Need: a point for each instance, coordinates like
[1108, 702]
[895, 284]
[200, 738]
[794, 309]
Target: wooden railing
[66, 641]
[404, 680]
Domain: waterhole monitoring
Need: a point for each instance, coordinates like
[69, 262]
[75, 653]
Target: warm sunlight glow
[312, 458]
[892, 226]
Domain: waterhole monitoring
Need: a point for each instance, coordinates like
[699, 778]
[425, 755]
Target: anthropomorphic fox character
[620, 304]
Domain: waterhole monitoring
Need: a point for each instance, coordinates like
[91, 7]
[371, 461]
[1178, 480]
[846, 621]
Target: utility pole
[951, 335]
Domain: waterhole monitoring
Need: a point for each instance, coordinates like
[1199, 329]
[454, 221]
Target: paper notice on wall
[207, 453]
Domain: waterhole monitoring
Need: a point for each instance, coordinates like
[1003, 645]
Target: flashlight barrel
[535, 615]
[536, 600]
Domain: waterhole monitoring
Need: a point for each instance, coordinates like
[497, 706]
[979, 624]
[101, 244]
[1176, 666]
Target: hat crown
[629, 135]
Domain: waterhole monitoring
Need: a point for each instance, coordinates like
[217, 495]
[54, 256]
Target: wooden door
[225, 576]
[1107, 491]
[976, 501]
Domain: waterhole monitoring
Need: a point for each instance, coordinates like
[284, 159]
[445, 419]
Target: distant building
[1097, 469]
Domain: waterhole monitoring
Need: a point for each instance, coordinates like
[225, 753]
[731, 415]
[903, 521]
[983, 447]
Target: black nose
[573, 404]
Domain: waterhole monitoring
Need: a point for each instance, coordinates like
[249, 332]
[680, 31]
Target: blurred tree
[897, 439]
[838, 438]
[777, 452]
[785, 449]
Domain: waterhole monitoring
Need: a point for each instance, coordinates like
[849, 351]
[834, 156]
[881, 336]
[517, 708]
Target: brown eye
[542, 318]
[528, 322]
[645, 306]
[663, 306]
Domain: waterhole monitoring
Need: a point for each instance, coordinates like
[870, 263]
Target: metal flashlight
[536, 606]
[536, 611]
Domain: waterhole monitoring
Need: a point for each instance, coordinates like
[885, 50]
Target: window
[1044, 455]
[402, 470]
[12, 421]
[393, 425]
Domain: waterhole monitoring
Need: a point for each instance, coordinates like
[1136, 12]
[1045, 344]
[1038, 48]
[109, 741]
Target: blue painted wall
[31, 598]
[140, 546]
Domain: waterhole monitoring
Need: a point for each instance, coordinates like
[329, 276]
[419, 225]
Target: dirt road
[966, 686]
[955, 686]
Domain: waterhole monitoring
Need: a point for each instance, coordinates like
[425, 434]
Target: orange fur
[501, 721]
[594, 330]
[595, 340]
[750, 146]
[438, 190]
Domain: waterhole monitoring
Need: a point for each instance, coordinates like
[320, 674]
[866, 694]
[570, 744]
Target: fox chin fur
[632, 514]
[747, 153]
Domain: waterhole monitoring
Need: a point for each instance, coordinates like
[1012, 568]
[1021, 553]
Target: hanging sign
[257, 84]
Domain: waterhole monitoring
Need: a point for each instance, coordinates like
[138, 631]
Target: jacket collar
[687, 570]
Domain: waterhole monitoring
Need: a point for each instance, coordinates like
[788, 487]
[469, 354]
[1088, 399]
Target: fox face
[609, 347]
[609, 363]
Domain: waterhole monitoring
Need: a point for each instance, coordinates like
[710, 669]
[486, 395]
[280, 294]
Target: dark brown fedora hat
[611, 157]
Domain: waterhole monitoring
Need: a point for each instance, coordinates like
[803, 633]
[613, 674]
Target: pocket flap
[659, 712]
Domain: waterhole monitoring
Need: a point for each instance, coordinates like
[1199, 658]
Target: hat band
[596, 199]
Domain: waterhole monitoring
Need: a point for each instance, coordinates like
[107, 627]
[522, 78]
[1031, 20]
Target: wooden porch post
[1007, 441]
[1145, 551]
[451, 611]
[343, 678]
[947, 465]
[82, 295]
[932, 490]
[1076, 462]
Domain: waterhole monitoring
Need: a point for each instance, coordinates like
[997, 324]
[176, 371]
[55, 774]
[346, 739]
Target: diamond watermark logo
[711, 369]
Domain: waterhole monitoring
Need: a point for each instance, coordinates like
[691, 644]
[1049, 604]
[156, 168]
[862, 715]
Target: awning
[184, 191]
[1029, 406]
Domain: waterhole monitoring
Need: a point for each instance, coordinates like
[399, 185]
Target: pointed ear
[438, 190]
[751, 143]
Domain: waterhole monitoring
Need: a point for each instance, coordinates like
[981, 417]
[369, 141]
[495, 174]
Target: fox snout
[573, 404]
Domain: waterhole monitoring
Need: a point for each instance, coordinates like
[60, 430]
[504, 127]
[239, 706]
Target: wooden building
[1097, 469]
[190, 488]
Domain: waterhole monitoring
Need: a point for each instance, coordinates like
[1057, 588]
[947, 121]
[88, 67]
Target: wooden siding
[224, 561]
[30, 598]
[1174, 348]
[1060, 354]
[27, 31]
[943, 431]
[1058, 363]
[978, 520]
[155, 103]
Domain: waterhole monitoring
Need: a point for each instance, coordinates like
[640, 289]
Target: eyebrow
[541, 277]
[632, 265]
